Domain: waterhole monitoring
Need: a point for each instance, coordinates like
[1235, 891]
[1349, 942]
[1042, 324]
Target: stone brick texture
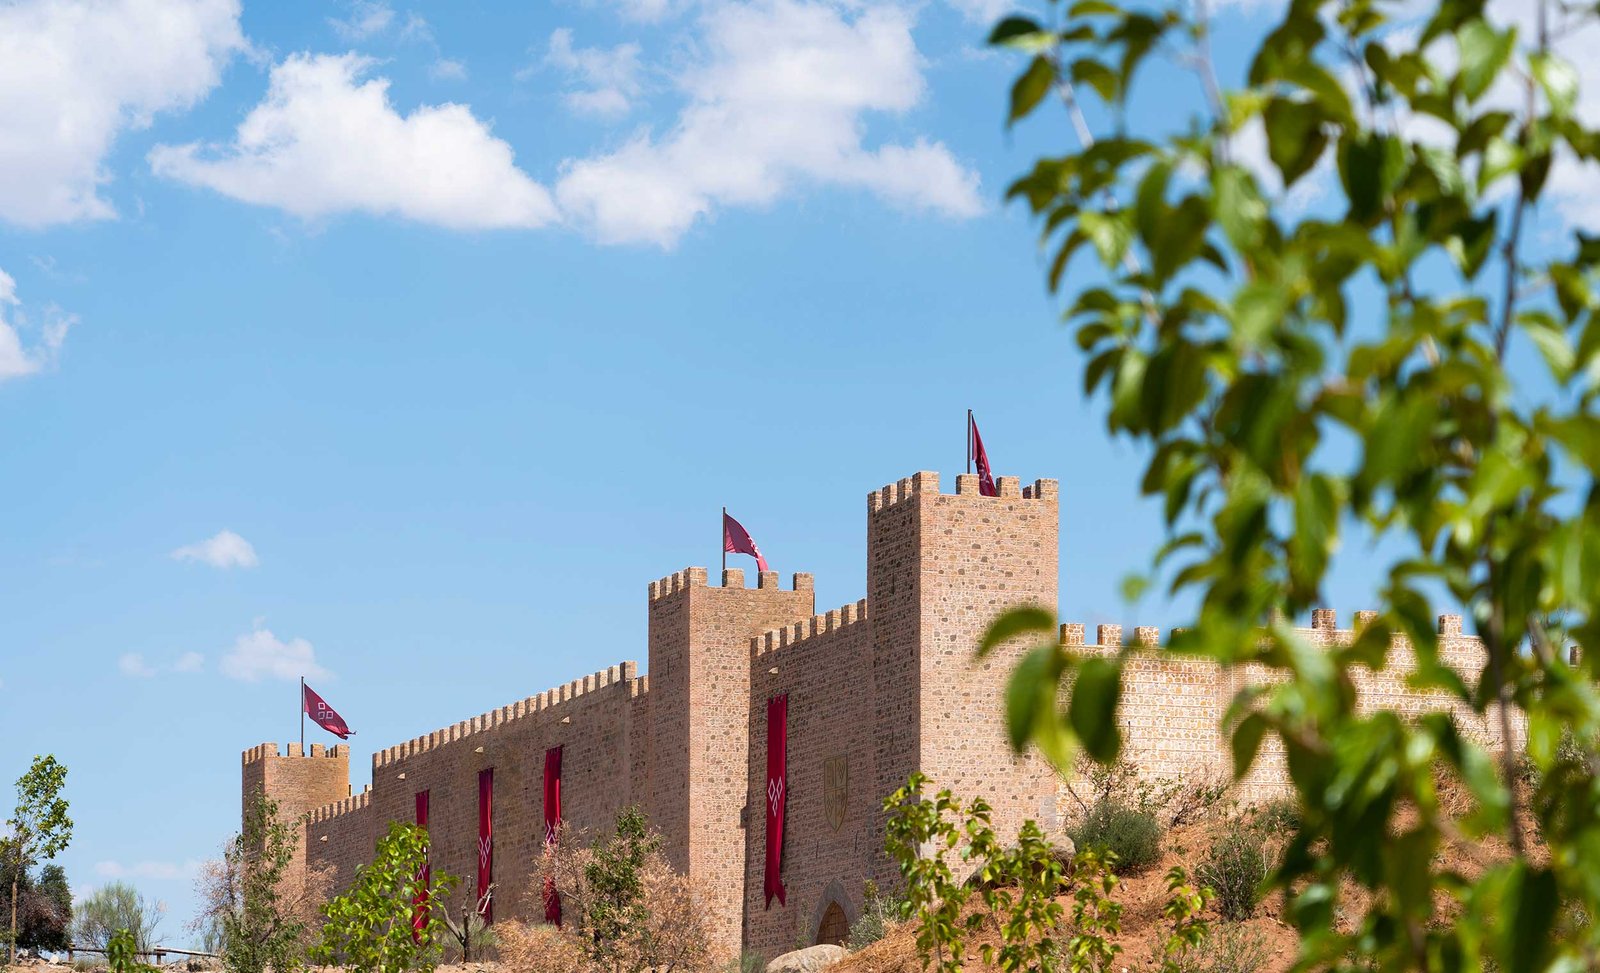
[877, 689]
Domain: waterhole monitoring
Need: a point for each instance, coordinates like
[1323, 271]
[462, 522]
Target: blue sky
[402, 344]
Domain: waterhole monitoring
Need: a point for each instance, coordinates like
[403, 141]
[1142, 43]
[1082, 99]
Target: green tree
[614, 876]
[1409, 362]
[388, 920]
[39, 827]
[245, 898]
[113, 908]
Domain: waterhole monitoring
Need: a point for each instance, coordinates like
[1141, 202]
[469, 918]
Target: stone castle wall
[877, 689]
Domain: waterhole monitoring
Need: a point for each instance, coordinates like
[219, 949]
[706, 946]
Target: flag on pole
[324, 715]
[976, 454]
[737, 540]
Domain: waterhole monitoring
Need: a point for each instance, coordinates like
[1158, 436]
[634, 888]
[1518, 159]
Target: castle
[871, 692]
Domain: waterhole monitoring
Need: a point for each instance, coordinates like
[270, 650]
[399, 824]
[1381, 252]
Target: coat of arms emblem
[835, 790]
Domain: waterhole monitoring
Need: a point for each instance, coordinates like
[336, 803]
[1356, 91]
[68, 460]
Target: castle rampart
[876, 689]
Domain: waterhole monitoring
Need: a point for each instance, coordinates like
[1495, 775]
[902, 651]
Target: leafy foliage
[44, 906]
[1185, 909]
[1131, 836]
[388, 920]
[122, 953]
[1407, 361]
[1234, 869]
[1016, 886]
[260, 923]
[1096, 918]
[113, 908]
[38, 830]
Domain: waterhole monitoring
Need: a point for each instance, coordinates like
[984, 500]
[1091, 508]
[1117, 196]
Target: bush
[1133, 836]
[1233, 949]
[112, 907]
[879, 914]
[1234, 869]
[524, 948]
[374, 926]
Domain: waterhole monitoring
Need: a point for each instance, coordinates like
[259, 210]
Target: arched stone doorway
[835, 926]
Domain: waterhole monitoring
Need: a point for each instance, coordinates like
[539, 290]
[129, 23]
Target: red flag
[485, 843]
[552, 825]
[322, 714]
[777, 793]
[976, 453]
[419, 901]
[737, 540]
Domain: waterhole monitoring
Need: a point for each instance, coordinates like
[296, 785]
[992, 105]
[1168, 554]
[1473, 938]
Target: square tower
[700, 698]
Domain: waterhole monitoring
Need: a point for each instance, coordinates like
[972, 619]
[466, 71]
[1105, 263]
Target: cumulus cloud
[262, 654]
[224, 549]
[132, 664]
[605, 81]
[366, 19]
[46, 336]
[189, 662]
[76, 74]
[152, 870]
[780, 102]
[325, 142]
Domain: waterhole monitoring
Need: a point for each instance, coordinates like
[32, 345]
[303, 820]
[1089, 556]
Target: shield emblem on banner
[835, 790]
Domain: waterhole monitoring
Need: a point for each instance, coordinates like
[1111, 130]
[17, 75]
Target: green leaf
[1558, 80]
[1551, 341]
[1110, 234]
[1031, 88]
[1015, 31]
[1534, 909]
[1030, 703]
[1022, 620]
[1093, 711]
[1246, 743]
[1098, 76]
[1484, 52]
[1295, 138]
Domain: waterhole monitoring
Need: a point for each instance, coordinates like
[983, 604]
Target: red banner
[552, 824]
[737, 540]
[485, 843]
[977, 454]
[322, 714]
[419, 902]
[777, 793]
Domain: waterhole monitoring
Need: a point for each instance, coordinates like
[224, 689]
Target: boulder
[808, 960]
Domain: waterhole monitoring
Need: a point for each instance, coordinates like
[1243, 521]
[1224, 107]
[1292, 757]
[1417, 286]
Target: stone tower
[298, 783]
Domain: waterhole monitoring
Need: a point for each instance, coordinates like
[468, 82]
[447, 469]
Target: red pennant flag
[976, 454]
[419, 901]
[486, 843]
[322, 714]
[777, 794]
[552, 825]
[737, 540]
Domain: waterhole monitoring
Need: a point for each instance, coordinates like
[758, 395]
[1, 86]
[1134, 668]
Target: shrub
[525, 948]
[112, 907]
[257, 919]
[1133, 836]
[375, 926]
[1233, 949]
[1280, 817]
[1234, 869]
[879, 914]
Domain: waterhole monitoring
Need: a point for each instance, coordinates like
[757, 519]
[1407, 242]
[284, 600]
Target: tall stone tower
[298, 783]
[700, 690]
[940, 568]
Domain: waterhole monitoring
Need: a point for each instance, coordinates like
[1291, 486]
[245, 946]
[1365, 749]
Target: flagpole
[969, 440]
[302, 715]
[724, 528]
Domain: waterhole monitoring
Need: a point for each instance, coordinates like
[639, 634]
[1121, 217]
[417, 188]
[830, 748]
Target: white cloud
[16, 358]
[366, 19]
[780, 102]
[325, 142]
[75, 74]
[132, 664]
[149, 870]
[647, 11]
[446, 69]
[189, 662]
[224, 549]
[606, 79]
[988, 12]
[261, 653]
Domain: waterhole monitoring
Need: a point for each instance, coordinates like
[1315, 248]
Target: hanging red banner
[552, 825]
[777, 793]
[419, 902]
[485, 843]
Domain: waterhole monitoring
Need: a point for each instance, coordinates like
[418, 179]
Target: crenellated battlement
[626, 672]
[679, 581]
[265, 751]
[967, 485]
[775, 639]
[327, 812]
[1324, 623]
